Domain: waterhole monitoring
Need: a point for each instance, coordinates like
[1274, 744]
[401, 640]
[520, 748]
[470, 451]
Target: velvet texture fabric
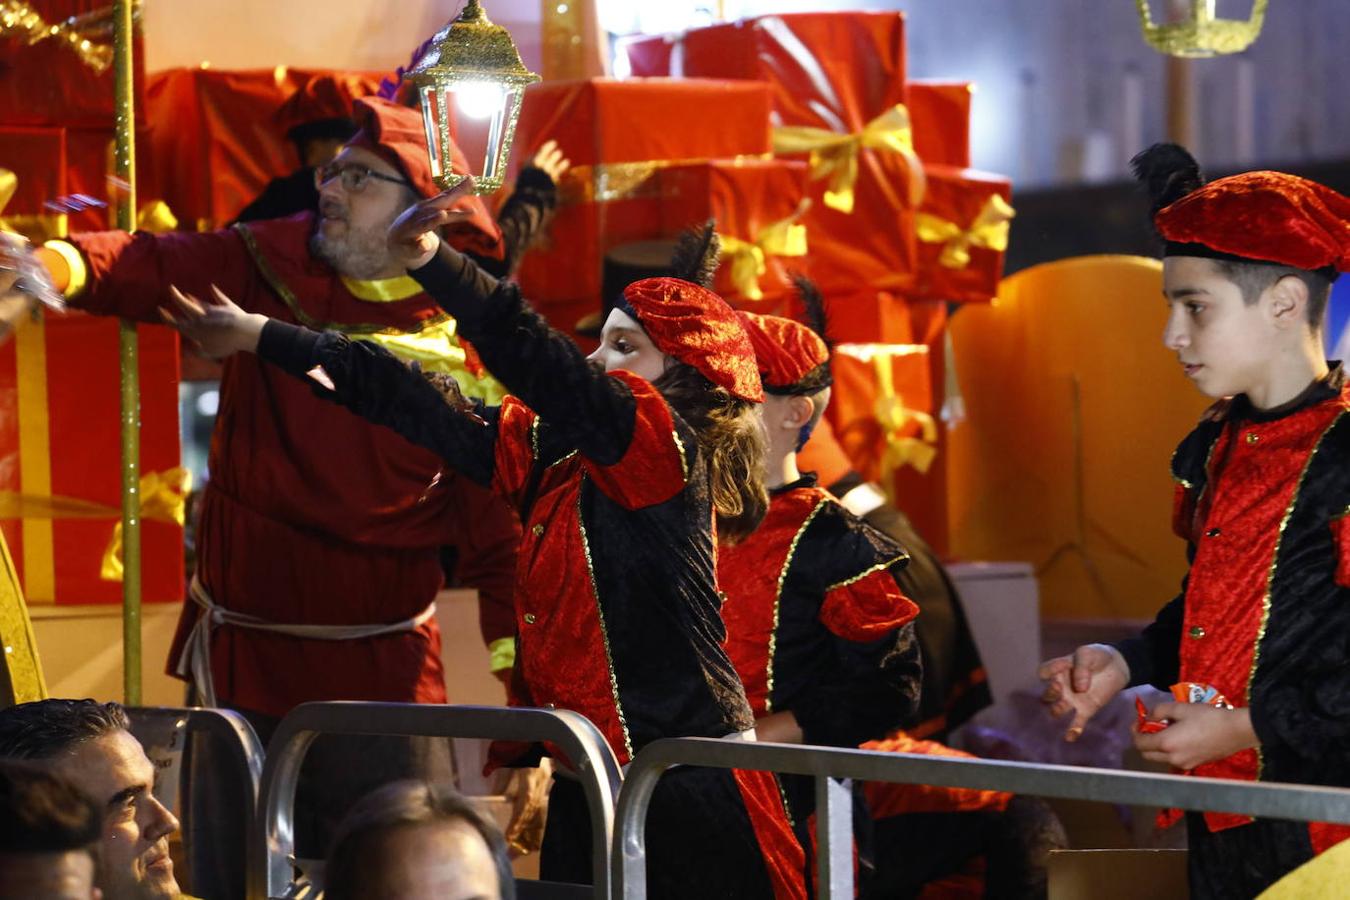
[615, 598]
[697, 327]
[1264, 217]
[322, 97]
[787, 352]
[396, 134]
[1263, 615]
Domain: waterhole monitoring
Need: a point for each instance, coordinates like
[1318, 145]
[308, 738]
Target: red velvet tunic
[1264, 614]
[816, 623]
[311, 515]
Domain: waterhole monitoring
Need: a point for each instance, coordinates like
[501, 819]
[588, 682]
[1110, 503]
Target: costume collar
[382, 290]
[807, 480]
[1323, 389]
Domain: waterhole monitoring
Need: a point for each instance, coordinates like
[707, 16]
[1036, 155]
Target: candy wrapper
[1184, 692]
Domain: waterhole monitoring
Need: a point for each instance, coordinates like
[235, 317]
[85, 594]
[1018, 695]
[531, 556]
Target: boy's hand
[217, 327]
[1083, 683]
[550, 159]
[413, 238]
[1199, 733]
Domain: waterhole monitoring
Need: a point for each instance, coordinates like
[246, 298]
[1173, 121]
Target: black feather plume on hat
[1168, 172]
[698, 254]
[813, 305]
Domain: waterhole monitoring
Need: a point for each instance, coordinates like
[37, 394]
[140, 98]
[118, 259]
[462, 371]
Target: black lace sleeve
[586, 409]
[373, 383]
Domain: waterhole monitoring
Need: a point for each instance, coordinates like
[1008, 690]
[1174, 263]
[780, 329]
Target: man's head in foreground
[89, 745]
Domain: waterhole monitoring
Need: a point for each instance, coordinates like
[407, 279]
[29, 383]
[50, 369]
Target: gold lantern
[1202, 33]
[471, 66]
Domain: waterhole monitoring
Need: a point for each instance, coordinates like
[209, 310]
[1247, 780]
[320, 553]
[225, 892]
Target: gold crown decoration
[1203, 34]
[471, 52]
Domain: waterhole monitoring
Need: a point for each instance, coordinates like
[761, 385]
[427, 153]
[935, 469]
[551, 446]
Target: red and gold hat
[396, 134]
[1261, 217]
[323, 100]
[697, 327]
[792, 358]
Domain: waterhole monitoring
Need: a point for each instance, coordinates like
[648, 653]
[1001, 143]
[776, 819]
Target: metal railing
[272, 839]
[215, 826]
[834, 800]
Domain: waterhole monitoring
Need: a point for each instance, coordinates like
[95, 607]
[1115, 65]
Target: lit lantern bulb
[478, 99]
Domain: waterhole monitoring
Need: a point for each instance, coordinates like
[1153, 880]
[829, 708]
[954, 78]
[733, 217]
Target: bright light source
[478, 99]
[562, 9]
[208, 402]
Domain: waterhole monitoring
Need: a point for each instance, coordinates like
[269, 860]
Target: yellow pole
[125, 151]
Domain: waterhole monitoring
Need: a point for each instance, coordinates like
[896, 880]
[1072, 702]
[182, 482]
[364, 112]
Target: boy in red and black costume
[1263, 485]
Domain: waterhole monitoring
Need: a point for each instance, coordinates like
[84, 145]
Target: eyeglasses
[354, 178]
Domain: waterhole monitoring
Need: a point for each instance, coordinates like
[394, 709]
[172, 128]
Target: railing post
[834, 837]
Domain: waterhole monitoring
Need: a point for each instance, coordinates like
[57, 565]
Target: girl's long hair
[732, 444]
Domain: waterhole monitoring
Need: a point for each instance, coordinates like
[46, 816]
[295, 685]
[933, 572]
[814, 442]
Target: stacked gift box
[60, 446]
[899, 225]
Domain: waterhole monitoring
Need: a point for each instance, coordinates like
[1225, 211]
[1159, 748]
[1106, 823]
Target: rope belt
[195, 661]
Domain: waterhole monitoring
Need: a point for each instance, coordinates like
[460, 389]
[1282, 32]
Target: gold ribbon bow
[87, 35]
[164, 499]
[835, 156]
[749, 260]
[896, 419]
[37, 228]
[156, 218]
[988, 230]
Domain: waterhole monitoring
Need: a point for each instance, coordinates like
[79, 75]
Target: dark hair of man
[44, 728]
[731, 441]
[402, 803]
[1254, 278]
[40, 813]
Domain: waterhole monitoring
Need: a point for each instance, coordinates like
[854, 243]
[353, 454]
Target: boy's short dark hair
[1254, 278]
[44, 728]
[395, 805]
[40, 813]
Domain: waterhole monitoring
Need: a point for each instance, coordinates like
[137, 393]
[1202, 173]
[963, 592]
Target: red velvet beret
[695, 326]
[787, 351]
[395, 134]
[1261, 217]
[322, 97]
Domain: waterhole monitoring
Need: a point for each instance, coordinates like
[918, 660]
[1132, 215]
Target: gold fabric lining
[604, 629]
[684, 458]
[1270, 577]
[777, 598]
[382, 290]
[863, 574]
[78, 279]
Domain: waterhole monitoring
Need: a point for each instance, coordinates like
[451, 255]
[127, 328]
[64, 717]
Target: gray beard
[362, 253]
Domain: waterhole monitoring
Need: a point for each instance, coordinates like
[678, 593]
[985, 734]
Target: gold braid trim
[604, 629]
[865, 572]
[778, 596]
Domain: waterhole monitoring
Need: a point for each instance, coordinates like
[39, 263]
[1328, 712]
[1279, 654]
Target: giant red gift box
[959, 196]
[60, 452]
[620, 137]
[939, 112]
[830, 70]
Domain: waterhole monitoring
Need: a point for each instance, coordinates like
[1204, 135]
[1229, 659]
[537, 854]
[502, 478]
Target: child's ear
[802, 410]
[1288, 300]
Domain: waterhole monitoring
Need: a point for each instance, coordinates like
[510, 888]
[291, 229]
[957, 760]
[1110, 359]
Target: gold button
[529, 618]
[537, 530]
[1253, 437]
[1197, 631]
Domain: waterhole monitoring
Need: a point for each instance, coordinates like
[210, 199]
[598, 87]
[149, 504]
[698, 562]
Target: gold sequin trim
[604, 629]
[1270, 577]
[778, 596]
[684, 459]
[534, 438]
[863, 574]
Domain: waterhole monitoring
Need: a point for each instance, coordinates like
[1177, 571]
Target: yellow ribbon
[988, 230]
[895, 418]
[748, 260]
[163, 499]
[156, 218]
[37, 228]
[835, 156]
[19, 19]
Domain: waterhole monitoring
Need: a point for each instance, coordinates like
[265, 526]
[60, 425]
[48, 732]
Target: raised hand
[1083, 683]
[413, 237]
[218, 327]
[550, 158]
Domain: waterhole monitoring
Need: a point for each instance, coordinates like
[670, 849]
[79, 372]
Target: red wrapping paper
[940, 114]
[83, 428]
[958, 195]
